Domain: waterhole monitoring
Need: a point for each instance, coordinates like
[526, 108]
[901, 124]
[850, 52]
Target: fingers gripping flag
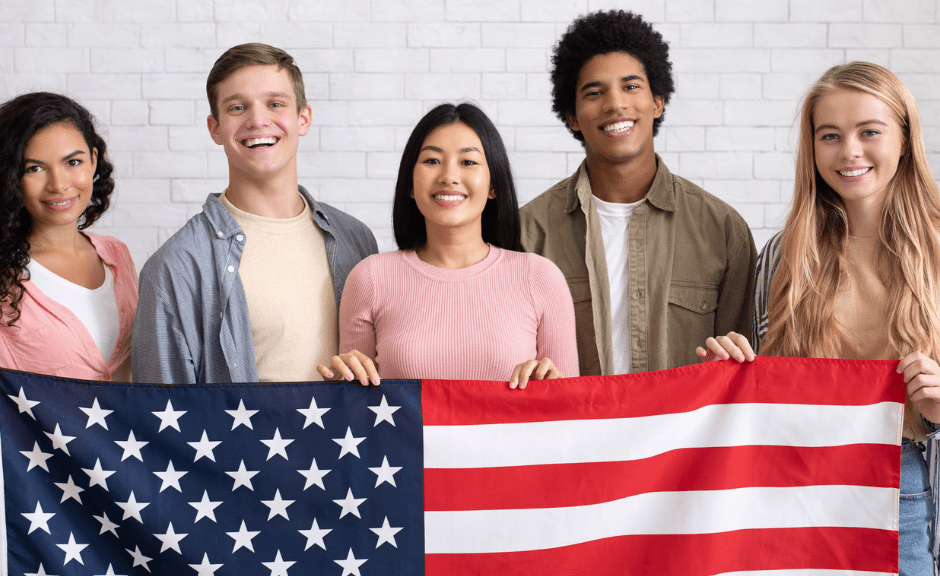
[783, 464]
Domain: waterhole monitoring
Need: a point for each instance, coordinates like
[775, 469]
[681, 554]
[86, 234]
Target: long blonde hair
[811, 269]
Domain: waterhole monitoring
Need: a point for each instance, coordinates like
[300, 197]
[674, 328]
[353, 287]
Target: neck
[269, 197]
[453, 249]
[622, 182]
[62, 239]
[864, 218]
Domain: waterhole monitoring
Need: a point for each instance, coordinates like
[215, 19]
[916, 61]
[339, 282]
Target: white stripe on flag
[693, 512]
[577, 441]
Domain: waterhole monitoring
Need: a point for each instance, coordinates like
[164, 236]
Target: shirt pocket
[37, 350]
[691, 316]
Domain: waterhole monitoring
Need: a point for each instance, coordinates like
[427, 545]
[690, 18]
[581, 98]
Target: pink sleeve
[356, 326]
[556, 337]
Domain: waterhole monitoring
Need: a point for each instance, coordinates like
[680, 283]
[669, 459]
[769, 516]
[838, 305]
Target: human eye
[74, 162]
[828, 137]
[277, 105]
[431, 161]
[33, 168]
[871, 132]
[468, 162]
[236, 108]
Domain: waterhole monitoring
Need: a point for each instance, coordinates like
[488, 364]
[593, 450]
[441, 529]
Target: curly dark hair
[501, 226]
[20, 119]
[603, 33]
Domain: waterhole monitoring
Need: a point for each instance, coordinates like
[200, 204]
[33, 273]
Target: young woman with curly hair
[856, 271]
[67, 296]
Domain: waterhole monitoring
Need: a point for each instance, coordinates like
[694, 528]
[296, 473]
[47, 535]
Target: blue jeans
[914, 513]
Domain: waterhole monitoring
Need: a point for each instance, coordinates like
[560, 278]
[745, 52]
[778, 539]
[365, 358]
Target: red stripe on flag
[690, 555]
[562, 485]
[794, 381]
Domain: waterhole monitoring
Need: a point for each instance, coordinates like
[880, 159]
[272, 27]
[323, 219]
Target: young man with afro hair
[654, 263]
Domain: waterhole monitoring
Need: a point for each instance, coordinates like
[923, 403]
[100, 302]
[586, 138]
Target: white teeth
[449, 197]
[252, 142]
[63, 203]
[850, 173]
[619, 126]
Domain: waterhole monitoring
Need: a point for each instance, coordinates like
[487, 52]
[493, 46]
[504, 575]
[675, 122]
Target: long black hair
[20, 119]
[501, 214]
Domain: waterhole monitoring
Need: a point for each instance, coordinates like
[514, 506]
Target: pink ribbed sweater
[419, 321]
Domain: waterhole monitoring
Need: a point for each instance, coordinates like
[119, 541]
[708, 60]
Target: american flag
[783, 464]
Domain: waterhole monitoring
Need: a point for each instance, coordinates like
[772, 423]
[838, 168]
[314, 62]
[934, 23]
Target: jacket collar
[661, 193]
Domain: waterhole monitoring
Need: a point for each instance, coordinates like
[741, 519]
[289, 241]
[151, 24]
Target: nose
[448, 173]
[258, 117]
[614, 100]
[58, 180]
[851, 148]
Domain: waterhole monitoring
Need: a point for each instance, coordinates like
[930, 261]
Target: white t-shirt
[615, 219]
[96, 309]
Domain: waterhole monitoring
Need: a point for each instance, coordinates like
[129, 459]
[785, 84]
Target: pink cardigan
[49, 339]
[419, 321]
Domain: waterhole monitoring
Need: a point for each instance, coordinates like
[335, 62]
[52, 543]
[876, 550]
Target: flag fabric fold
[781, 466]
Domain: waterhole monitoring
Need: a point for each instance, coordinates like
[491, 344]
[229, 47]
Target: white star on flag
[383, 412]
[59, 440]
[243, 477]
[276, 445]
[243, 538]
[349, 444]
[70, 490]
[385, 473]
[110, 572]
[36, 457]
[241, 416]
[38, 519]
[386, 534]
[139, 559]
[97, 476]
[41, 572]
[131, 447]
[170, 539]
[25, 405]
[170, 477]
[96, 415]
[314, 475]
[278, 506]
[314, 414]
[73, 550]
[279, 566]
[106, 524]
[315, 535]
[205, 568]
[169, 417]
[350, 504]
[205, 508]
[350, 564]
[132, 508]
[204, 447]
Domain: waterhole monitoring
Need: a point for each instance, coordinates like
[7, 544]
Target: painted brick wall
[373, 67]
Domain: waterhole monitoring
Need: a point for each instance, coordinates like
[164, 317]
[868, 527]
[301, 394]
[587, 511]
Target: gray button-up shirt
[192, 324]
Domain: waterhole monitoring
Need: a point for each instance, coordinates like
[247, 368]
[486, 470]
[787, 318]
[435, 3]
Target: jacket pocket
[691, 319]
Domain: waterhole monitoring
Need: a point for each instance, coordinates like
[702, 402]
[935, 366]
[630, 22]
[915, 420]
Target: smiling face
[858, 143]
[259, 125]
[615, 109]
[451, 179]
[59, 174]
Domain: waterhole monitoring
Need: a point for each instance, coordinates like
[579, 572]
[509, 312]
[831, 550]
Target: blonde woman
[856, 271]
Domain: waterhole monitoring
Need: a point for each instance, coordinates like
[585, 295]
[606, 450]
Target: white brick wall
[373, 67]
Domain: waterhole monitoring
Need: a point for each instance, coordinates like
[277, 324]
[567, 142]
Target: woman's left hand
[542, 369]
[922, 376]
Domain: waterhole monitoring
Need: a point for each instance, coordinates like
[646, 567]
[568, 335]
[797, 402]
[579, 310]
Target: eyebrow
[596, 83]
[66, 157]
[859, 125]
[441, 150]
[238, 96]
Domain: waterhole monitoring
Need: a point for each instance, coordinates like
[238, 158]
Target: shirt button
[240, 237]
[220, 234]
[231, 268]
[704, 305]
[106, 377]
[636, 295]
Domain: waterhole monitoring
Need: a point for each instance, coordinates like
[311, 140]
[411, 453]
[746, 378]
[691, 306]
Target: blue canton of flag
[280, 479]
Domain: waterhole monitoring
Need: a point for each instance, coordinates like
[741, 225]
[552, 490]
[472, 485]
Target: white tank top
[96, 309]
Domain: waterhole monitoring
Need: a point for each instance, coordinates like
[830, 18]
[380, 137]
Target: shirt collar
[661, 193]
[225, 225]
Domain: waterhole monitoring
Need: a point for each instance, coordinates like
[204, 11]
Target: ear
[492, 193]
[304, 120]
[573, 122]
[659, 103]
[214, 131]
[94, 160]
